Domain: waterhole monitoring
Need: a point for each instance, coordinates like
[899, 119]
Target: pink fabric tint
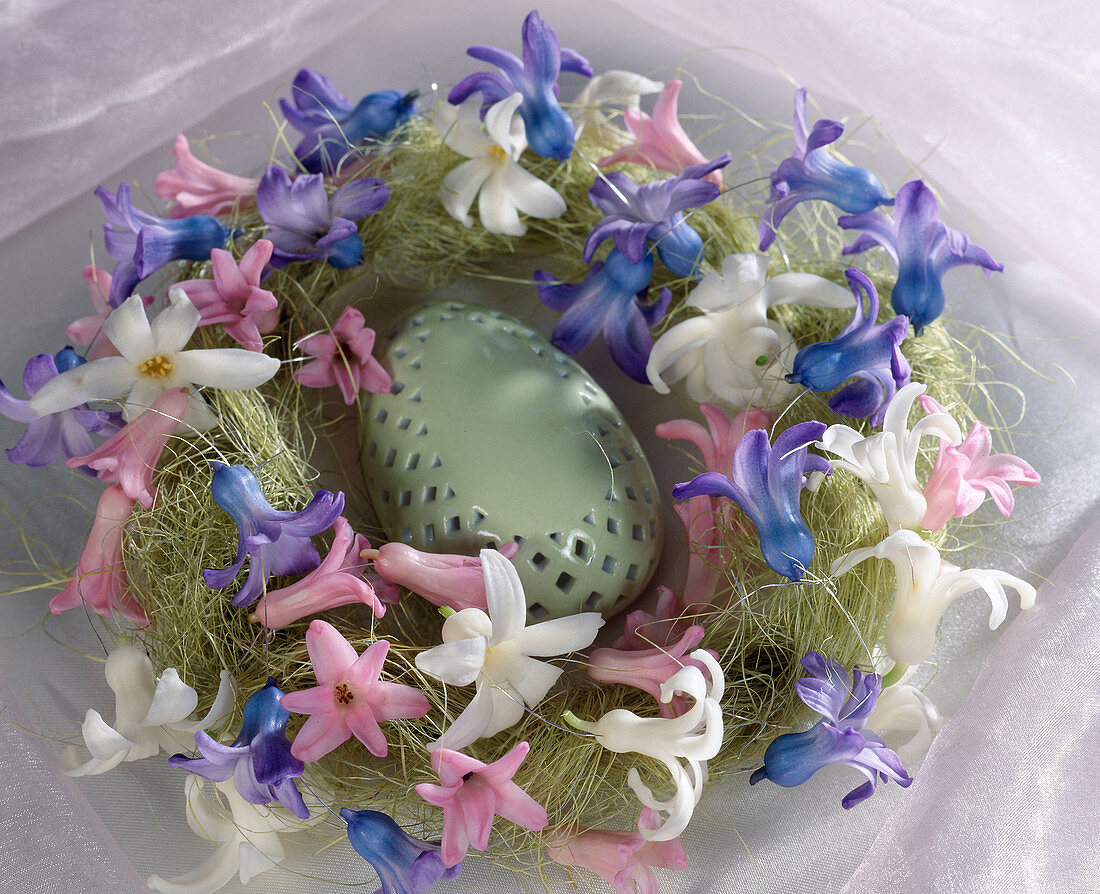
[443, 579]
[197, 188]
[472, 793]
[343, 358]
[350, 699]
[338, 580]
[130, 456]
[234, 298]
[660, 140]
[99, 583]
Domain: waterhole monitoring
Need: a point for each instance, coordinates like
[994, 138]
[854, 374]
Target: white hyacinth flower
[494, 650]
[150, 714]
[693, 738]
[734, 353]
[925, 586]
[887, 460]
[902, 708]
[610, 87]
[152, 361]
[493, 174]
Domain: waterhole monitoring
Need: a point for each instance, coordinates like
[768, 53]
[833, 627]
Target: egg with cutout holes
[491, 434]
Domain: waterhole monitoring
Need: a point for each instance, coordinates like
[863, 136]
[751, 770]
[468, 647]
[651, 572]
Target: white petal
[199, 416]
[141, 397]
[128, 329]
[232, 369]
[559, 636]
[173, 700]
[173, 327]
[211, 875]
[461, 186]
[498, 123]
[503, 595]
[102, 379]
[470, 725]
[254, 861]
[219, 711]
[497, 210]
[806, 288]
[531, 195]
[469, 622]
[526, 678]
[104, 742]
[206, 815]
[615, 85]
[460, 127]
[456, 663]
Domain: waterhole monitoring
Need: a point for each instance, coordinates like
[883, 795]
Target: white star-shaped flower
[606, 88]
[495, 650]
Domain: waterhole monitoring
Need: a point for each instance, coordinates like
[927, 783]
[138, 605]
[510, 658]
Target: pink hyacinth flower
[198, 188]
[343, 358]
[89, 330]
[234, 297]
[660, 140]
[648, 669]
[338, 580]
[643, 630]
[472, 793]
[965, 472]
[130, 456]
[624, 860]
[350, 699]
[99, 583]
[444, 579]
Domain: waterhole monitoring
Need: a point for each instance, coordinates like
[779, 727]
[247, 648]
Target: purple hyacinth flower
[550, 130]
[332, 126]
[58, 435]
[839, 738]
[767, 481]
[305, 224]
[276, 542]
[812, 172]
[923, 247]
[405, 865]
[653, 212]
[259, 760]
[142, 243]
[870, 353]
[612, 297]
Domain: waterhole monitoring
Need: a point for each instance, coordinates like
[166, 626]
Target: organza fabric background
[994, 103]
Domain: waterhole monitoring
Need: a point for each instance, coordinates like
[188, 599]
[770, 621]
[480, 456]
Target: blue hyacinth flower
[550, 130]
[142, 243]
[839, 737]
[814, 173]
[405, 865]
[259, 760]
[612, 298]
[653, 212]
[864, 350]
[332, 126]
[276, 542]
[923, 247]
[767, 482]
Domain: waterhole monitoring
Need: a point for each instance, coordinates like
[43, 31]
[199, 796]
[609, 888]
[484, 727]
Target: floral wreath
[810, 542]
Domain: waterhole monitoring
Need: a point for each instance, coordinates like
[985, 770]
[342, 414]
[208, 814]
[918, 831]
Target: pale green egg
[491, 434]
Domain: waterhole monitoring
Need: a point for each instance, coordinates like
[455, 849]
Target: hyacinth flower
[99, 583]
[923, 247]
[198, 188]
[350, 699]
[660, 140]
[304, 223]
[151, 713]
[233, 298]
[625, 860]
[143, 243]
[613, 298]
[964, 473]
[925, 586]
[659, 629]
[550, 130]
[813, 173]
[471, 793]
[767, 481]
[338, 580]
[129, 458]
[332, 127]
[606, 88]
[343, 358]
[648, 669]
[694, 737]
[444, 579]
[89, 330]
[152, 360]
[864, 350]
[495, 651]
[901, 708]
[734, 352]
[840, 737]
[275, 541]
[259, 760]
[51, 436]
[405, 865]
[653, 213]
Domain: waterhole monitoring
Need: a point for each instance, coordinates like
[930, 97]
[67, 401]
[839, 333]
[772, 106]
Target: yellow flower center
[158, 367]
[343, 693]
[498, 154]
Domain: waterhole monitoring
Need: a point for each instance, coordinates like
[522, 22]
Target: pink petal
[315, 700]
[363, 725]
[330, 653]
[229, 279]
[320, 735]
[365, 669]
[255, 259]
[396, 701]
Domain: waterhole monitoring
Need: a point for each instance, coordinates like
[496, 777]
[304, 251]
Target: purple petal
[541, 50]
[359, 198]
[628, 339]
[490, 85]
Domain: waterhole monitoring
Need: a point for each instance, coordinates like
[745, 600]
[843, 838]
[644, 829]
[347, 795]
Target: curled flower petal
[198, 188]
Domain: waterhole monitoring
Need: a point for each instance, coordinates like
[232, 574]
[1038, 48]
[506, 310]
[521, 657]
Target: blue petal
[793, 758]
[405, 865]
